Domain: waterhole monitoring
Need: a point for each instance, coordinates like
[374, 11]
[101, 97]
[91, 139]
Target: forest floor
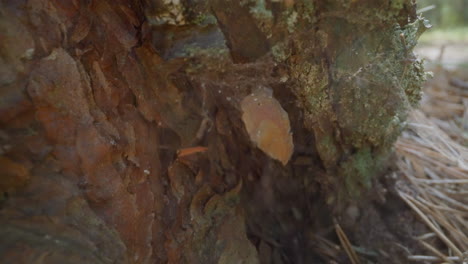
[418, 211]
[429, 174]
[432, 158]
[454, 55]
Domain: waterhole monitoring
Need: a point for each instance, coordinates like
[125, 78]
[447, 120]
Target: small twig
[435, 251]
[428, 222]
[441, 54]
[346, 244]
[449, 200]
[430, 258]
[444, 181]
[426, 236]
[454, 233]
[425, 9]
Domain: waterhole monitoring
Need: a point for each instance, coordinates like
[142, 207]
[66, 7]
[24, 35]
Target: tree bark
[195, 131]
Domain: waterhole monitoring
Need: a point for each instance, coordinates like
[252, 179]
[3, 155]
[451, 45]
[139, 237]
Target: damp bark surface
[217, 131]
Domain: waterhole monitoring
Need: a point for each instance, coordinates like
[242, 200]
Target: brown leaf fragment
[189, 151]
[268, 125]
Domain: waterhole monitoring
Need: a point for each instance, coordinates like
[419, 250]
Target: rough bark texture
[123, 136]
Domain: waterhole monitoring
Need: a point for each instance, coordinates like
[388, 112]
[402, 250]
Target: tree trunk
[195, 131]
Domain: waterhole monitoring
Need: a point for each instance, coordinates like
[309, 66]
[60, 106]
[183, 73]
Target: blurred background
[449, 33]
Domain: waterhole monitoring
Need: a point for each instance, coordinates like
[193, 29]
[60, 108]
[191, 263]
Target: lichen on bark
[356, 84]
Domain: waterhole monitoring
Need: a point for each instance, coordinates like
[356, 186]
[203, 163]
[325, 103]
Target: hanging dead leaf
[268, 124]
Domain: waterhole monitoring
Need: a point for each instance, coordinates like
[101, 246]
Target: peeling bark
[123, 138]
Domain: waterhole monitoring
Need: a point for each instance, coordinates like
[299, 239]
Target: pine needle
[433, 160]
